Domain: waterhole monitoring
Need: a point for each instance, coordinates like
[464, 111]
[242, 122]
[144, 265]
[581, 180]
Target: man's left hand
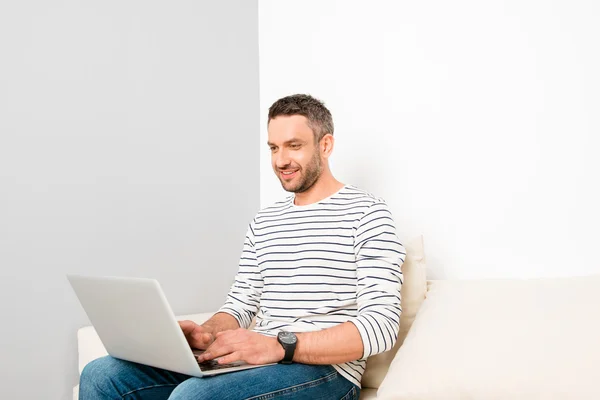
[243, 345]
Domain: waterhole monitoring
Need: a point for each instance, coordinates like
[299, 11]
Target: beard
[311, 173]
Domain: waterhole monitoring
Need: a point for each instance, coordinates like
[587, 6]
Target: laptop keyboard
[212, 365]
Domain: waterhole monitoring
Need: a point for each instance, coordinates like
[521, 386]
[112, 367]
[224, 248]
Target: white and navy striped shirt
[308, 268]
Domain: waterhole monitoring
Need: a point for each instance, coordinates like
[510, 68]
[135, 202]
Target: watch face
[287, 337]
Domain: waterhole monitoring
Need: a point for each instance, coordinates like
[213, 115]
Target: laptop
[135, 323]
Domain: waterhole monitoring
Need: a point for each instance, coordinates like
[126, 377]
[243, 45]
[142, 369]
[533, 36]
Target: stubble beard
[312, 172]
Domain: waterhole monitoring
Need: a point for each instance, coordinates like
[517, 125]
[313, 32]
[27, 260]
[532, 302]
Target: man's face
[294, 154]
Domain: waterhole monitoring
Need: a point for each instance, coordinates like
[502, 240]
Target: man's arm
[339, 344]
[244, 296]
[379, 256]
[335, 345]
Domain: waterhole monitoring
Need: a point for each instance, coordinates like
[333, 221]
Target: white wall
[128, 146]
[476, 121]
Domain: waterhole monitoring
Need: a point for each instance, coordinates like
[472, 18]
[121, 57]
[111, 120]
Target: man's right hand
[197, 336]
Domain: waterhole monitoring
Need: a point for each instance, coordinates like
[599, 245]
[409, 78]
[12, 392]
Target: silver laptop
[135, 323]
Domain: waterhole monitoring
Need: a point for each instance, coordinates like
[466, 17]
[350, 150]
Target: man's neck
[324, 187]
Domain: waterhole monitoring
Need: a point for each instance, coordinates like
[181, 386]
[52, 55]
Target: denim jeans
[111, 378]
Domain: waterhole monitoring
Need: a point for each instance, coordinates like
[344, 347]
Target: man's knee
[96, 375]
[195, 388]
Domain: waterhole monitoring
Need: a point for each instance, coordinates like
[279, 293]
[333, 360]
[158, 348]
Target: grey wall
[128, 146]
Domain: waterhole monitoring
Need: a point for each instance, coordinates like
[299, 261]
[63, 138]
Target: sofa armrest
[90, 346]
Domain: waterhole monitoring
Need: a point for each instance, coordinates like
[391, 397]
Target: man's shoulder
[359, 195]
[276, 207]
[353, 191]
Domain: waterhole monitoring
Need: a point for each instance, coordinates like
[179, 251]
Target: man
[319, 272]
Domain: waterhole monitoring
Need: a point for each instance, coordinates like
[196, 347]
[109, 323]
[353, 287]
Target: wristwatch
[288, 341]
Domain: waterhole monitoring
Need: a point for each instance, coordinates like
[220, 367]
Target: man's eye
[294, 146]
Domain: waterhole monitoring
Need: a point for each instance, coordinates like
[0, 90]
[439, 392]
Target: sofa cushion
[413, 293]
[502, 339]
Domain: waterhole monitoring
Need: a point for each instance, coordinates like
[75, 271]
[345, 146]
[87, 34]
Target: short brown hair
[319, 117]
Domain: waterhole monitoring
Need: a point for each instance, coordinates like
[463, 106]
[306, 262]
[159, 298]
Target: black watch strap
[289, 346]
[289, 354]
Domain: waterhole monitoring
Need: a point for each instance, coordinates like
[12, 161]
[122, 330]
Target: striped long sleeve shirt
[308, 268]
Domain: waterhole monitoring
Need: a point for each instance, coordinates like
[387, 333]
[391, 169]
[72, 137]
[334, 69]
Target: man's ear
[326, 145]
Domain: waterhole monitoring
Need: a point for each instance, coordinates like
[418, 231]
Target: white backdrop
[476, 121]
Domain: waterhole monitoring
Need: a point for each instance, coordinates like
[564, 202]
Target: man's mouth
[288, 174]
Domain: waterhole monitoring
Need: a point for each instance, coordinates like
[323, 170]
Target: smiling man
[320, 274]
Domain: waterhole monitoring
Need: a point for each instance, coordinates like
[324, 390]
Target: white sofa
[486, 339]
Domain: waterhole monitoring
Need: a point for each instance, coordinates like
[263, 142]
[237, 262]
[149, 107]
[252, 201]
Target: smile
[288, 174]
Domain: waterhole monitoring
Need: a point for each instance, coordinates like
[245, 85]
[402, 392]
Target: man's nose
[282, 160]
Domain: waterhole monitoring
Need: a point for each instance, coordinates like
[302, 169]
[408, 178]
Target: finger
[204, 357]
[207, 355]
[186, 326]
[201, 335]
[224, 343]
[216, 350]
[201, 340]
[229, 358]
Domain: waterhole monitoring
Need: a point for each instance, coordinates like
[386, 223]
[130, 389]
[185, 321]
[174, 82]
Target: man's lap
[112, 378]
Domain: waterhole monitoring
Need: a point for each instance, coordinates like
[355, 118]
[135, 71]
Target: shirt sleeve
[379, 257]
[244, 296]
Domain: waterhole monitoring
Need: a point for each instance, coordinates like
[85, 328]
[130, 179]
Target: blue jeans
[111, 378]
